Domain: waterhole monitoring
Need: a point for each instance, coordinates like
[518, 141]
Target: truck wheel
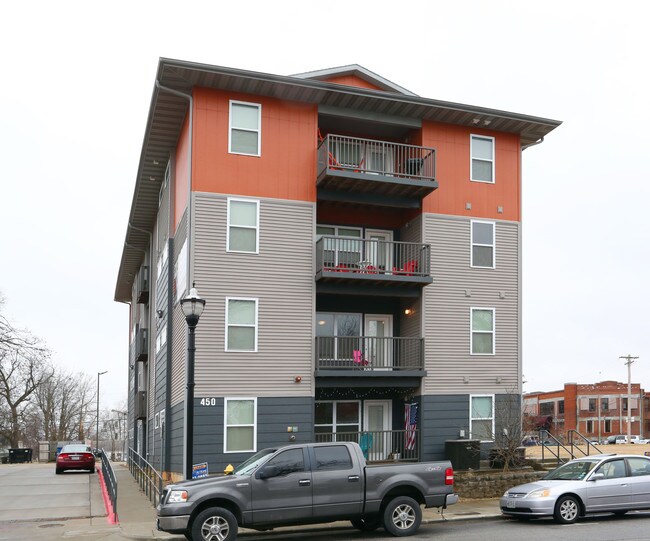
[214, 524]
[402, 516]
[366, 524]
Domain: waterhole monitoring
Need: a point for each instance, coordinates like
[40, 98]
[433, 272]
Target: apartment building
[595, 410]
[358, 248]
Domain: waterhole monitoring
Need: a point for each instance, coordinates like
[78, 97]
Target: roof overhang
[168, 110]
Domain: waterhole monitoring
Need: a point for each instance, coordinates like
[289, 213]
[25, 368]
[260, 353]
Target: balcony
[372, 172]
[142, 287]
[344, 261]
[380, 445]
[141, 345]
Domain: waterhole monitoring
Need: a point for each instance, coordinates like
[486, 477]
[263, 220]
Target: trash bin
[464, 454]
[17, 456]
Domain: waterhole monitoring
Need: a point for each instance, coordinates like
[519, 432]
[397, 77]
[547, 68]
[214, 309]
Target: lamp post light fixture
[192, 307]
[97, 434]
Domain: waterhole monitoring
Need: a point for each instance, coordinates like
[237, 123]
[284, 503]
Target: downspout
[539, 142]
[190, 100]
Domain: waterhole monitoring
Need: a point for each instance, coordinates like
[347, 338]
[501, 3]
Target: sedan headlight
[177, 496]
[539, 493]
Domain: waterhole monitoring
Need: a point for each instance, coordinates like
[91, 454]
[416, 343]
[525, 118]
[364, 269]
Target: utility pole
[629, 359]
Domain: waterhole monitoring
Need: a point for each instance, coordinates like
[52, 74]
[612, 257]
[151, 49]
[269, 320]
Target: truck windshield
[253, 462]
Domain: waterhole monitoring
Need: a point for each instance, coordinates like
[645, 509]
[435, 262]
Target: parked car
[303, 484]
[75, 456]
[4, 456]
[593, 484]
[622, 438]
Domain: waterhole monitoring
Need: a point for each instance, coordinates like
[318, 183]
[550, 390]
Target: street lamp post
[192, 307]
[97, 435]
[629, 360]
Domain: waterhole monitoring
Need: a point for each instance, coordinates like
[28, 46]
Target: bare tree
[507, 450]
[23, 368]
[63, 403]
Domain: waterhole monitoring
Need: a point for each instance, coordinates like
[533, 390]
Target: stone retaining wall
[491, 483]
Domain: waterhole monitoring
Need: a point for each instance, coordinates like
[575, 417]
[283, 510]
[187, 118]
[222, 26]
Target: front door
[376, 426]
[379, 250]
[379, 342]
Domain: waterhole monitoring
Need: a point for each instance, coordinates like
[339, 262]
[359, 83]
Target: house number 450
[208, 401]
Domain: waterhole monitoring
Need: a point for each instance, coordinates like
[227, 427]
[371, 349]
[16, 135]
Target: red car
[75, 457]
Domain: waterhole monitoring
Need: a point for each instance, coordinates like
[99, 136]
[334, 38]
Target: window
[482, 244]
[338, 335]
[240, 428]
[481, 422]
[639, 466]
[614, 469]
[590, 427]
[243, 226]
[345, 250]
[241, 324]
[604, 404]
[337, 418]
[546, 408]
[624, 404]
[156, 422]
[287, 462]
[592, 404]
[245, 128]
[482, 166]
[336, 457]
[608, 425]
[161, 337]
[482, 332]
[560, 407]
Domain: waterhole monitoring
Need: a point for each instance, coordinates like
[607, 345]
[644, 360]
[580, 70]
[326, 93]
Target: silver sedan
[592, 484]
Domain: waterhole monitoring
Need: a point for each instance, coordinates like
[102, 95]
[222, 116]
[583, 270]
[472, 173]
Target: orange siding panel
[452, 144]
[181, 174]
[286, 168]
[351, 80]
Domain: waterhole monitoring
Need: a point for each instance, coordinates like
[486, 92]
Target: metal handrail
[374, 157]
[573, 434]
[379, 445]
[545, 436]
[370, 353]
[150, 481]
[109, 480]
[372, 256]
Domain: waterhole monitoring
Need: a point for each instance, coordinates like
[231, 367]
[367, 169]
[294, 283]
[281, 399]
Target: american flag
[410, 424]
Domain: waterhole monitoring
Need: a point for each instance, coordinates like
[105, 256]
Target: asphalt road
[33, 492]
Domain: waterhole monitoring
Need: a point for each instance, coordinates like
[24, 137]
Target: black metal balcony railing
[380, 445]
[142, 291]
[341, 153]
[372, 257]
[369, 353]
[141, 345]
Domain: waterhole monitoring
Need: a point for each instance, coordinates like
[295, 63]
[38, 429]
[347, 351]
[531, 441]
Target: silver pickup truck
[307, 484]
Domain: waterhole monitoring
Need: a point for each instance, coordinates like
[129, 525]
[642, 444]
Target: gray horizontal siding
[281, 277]
[456, 288]
[274, 415]
[179, 344]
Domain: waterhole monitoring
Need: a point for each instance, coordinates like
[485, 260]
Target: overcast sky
[75, 87]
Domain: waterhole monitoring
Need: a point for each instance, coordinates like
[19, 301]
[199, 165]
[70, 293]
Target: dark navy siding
[441, 419]
[177, 434]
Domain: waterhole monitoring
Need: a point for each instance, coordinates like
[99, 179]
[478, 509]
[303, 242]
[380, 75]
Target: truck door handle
[353, 478]
[304, 482]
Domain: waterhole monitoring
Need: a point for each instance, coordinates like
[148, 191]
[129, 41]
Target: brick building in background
[596, 410]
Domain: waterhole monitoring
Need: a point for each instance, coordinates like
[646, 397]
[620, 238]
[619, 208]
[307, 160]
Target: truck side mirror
[267, 472]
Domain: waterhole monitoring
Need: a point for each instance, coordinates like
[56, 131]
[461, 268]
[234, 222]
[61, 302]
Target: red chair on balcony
[409, 269]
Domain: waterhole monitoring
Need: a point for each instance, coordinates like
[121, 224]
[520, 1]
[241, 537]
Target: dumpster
[464, 454]
[18, 455]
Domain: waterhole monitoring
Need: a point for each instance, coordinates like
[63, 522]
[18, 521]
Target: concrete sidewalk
[137, 516]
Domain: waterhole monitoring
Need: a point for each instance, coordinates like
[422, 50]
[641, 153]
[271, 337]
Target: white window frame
[471, 329]
[161, 336]
[471, 157]
[226, 426]
[231, 127]
[493, 245]
[472, 418]
[156, 422]
[252, 299]
[256, 227]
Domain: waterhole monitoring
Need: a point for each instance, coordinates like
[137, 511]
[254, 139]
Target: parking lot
[33, 492]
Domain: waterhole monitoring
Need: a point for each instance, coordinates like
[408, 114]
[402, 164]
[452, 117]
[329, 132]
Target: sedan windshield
[572, 471]
[254, 461]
